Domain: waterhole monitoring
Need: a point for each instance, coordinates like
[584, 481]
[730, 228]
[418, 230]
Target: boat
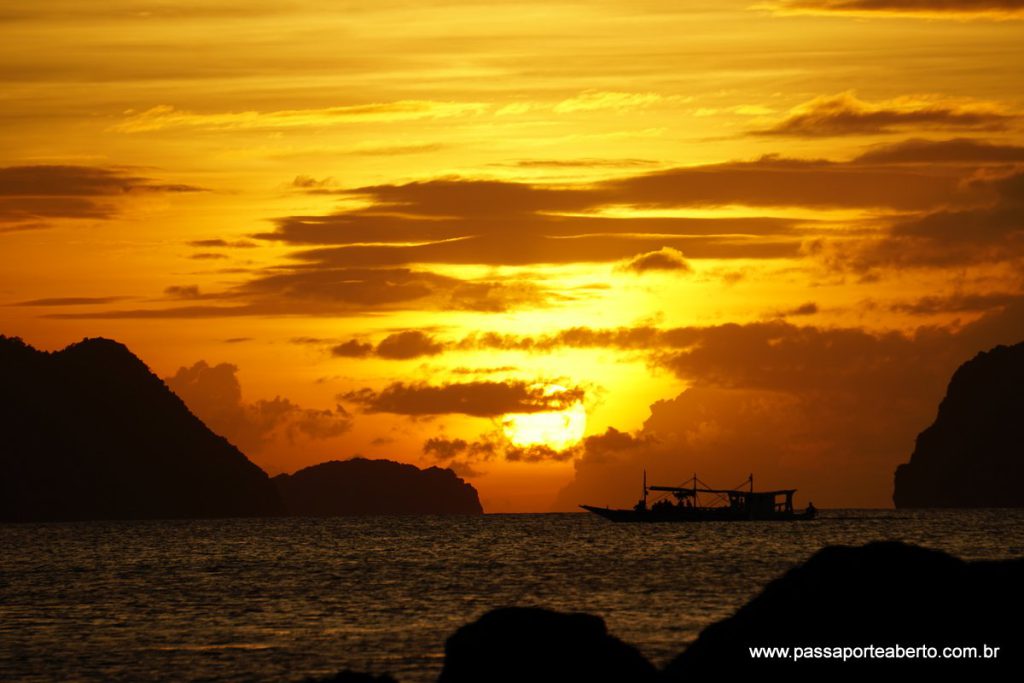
[698, 502]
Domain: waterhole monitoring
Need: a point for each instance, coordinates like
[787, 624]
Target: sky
[546, 244]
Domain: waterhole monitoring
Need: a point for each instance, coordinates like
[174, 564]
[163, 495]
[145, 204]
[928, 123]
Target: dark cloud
[537, 453]
[33, 195]
[352, 349]
[348, 286]
[215, 243]
[214, 394]
[476, 198]
[809, 308]
[466, 221]
[638, 337]
[589, 162]
[402, 345]
[493, 445]
[930, 8]
[444, 449]
[844, 114]
[182, 292]
[480, 399]
[366, 226]
[72, 301]
[77, 181]
[958, 150]
[777, 181]
[782, 356]
[315, 290]
[375, 288]
[408, 344]
[530, 250]
[950, 237]
[483, 370]
[31, 213]
[957, 303]
[305, 182]
[664, 259]
[207, 255]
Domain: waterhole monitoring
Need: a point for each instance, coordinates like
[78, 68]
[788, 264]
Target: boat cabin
[757, 504]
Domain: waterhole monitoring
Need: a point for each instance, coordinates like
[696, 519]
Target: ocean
[283, 599]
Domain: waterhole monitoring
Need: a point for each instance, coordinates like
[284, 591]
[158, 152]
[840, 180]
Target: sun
[556, 429]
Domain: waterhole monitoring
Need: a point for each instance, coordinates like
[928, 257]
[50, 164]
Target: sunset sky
[547, 244]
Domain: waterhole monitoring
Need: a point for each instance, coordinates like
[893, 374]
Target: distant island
[89, 432]
[372, 487]
[973, 454]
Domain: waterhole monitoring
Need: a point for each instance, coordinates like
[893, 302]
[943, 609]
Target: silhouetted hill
[516, 644]
[89, 432]
[881, 594]
[973, 455]
[367, 487]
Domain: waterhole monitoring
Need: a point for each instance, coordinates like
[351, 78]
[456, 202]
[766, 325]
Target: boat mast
[645, 488]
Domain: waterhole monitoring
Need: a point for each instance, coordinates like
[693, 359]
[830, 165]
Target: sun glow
[558, 429]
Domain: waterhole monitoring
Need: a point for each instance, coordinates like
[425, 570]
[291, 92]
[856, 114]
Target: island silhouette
[973, 454]
[375, 487]
[89, 432]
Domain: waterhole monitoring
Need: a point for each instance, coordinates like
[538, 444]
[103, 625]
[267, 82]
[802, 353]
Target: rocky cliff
[973, 455]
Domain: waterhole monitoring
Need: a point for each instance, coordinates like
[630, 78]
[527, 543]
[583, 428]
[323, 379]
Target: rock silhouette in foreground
[516, 644]
[375, 487]
[89, 432]
[973, 455]
[881, 594]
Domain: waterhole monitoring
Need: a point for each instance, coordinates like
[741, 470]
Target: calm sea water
[281, 599]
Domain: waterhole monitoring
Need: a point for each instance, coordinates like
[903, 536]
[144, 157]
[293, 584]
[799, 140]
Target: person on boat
[810, 508]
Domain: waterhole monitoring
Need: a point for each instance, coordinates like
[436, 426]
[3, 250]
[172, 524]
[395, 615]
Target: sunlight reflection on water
[281, 599]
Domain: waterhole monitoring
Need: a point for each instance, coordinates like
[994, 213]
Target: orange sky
[719, 236]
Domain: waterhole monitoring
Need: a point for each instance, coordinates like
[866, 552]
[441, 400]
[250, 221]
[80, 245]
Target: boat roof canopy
[689, 490]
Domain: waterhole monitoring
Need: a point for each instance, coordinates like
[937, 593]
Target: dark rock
[516, 644]
[882, 594]
[367, 487]
[90, 433]
[973, 455]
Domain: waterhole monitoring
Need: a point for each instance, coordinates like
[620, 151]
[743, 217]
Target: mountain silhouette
[89, 432]
[368, 487]
[973, 455]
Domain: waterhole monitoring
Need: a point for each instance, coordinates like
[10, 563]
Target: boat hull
[694, 515]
